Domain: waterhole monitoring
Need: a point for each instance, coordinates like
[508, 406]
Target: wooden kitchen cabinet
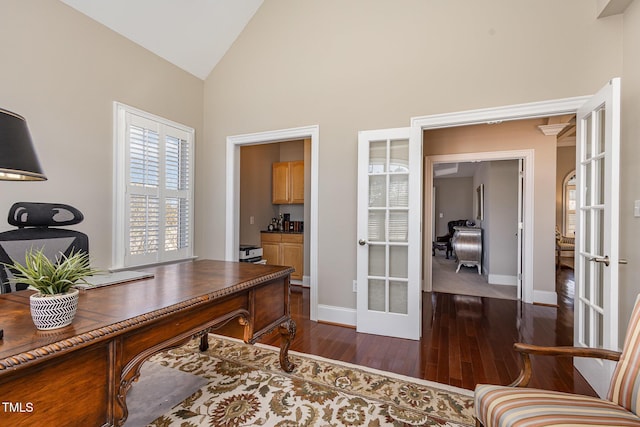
[288, 183]
[284, 249]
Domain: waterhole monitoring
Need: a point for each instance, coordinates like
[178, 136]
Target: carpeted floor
[466, 282]
[234, 384]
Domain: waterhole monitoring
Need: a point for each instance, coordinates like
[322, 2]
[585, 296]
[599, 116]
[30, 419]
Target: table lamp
[18, 160]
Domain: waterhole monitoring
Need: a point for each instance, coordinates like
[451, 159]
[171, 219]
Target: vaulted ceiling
[192, 34]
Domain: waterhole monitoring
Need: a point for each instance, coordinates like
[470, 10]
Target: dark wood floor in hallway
[465, 340]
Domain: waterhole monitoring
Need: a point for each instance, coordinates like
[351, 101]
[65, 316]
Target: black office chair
[34, 221]
[446, 239]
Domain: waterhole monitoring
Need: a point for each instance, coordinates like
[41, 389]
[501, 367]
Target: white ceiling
[192, 34]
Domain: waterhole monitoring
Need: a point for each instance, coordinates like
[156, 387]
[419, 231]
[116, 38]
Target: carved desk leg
[287, 333]
[204, 341]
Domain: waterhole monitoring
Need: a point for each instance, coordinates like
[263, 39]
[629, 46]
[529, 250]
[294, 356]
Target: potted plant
[55, 302]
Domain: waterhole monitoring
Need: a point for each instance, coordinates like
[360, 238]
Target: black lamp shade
[18, 160]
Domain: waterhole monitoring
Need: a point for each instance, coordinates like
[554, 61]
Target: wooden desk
[80, 374]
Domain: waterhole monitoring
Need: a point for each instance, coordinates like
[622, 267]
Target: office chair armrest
[526, 349]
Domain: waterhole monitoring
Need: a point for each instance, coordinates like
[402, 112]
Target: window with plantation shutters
[154, 178]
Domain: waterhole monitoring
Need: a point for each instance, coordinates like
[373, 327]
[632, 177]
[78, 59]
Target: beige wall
[629, 159]
[370, 64]
[454, 200]
[255, 190]
[62, 72]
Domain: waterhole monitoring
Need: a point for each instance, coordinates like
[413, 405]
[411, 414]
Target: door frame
[232, 229]
[528, 194]
[490, 116]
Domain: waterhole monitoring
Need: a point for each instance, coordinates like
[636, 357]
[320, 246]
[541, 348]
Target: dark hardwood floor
[465, 340]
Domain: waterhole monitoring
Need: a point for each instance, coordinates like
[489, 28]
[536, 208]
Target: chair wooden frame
[526, 350]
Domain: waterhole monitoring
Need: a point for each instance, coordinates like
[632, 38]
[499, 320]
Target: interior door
[389, 299]
[596, 263]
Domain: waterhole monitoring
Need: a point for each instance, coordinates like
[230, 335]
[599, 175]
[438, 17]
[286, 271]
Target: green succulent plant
[52, 277]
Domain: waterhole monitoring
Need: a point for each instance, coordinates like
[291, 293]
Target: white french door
[596, 263]
[389, 300]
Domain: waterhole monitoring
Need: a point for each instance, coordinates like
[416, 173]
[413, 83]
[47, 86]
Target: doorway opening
[489, 116]
[232, 237]
[478, 198]
[522, 218]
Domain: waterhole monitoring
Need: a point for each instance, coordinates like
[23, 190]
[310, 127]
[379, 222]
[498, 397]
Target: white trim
[339, 315]
[545, 297]
[502, 280]
[530, 110]
[488, 115]
[232, 236]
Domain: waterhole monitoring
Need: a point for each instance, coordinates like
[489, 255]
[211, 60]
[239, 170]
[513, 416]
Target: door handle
[604, 259]
[362, 242]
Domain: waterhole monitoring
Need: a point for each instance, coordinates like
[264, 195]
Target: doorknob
[362, 242]
[604, 260]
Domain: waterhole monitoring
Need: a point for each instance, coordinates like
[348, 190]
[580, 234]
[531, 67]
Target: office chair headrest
[32, 214]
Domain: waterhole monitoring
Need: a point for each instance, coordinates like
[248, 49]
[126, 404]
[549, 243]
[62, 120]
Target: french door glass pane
[587, 230]
[588, 135]
[586, 337]
[377, 226]
[399, 161]
[398, 226]
[587, 184]
[398, 262]
[377, 191]
[398, 294]
[377, 260]
[599, 330]
[598, 170]
[587, 279]
[598, 223]
[399, 191]
[597, 285]
[601, 129]
[377, 295]
[378, 157]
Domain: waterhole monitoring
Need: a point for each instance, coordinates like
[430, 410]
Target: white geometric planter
[53, 311]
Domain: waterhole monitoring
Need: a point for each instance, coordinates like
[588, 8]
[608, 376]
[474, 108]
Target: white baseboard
[339, 315]
[502, 279]
[305, 282]
[545, 297]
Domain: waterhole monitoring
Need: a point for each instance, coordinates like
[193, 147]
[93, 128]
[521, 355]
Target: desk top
[105, 311]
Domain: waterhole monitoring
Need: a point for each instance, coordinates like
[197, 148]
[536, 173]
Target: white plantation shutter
[154, 168]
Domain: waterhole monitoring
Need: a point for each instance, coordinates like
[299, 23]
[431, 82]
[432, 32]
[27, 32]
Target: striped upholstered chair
[517, 406]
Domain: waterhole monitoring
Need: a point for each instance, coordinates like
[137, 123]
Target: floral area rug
[246, 387]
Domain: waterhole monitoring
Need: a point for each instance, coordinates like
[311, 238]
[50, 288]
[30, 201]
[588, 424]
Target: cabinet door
[296, 169]
[280, 186]
[271, 253]
[292, 256]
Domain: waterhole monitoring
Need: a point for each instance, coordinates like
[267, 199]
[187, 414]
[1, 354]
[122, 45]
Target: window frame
[124, 115]
[567, 186]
